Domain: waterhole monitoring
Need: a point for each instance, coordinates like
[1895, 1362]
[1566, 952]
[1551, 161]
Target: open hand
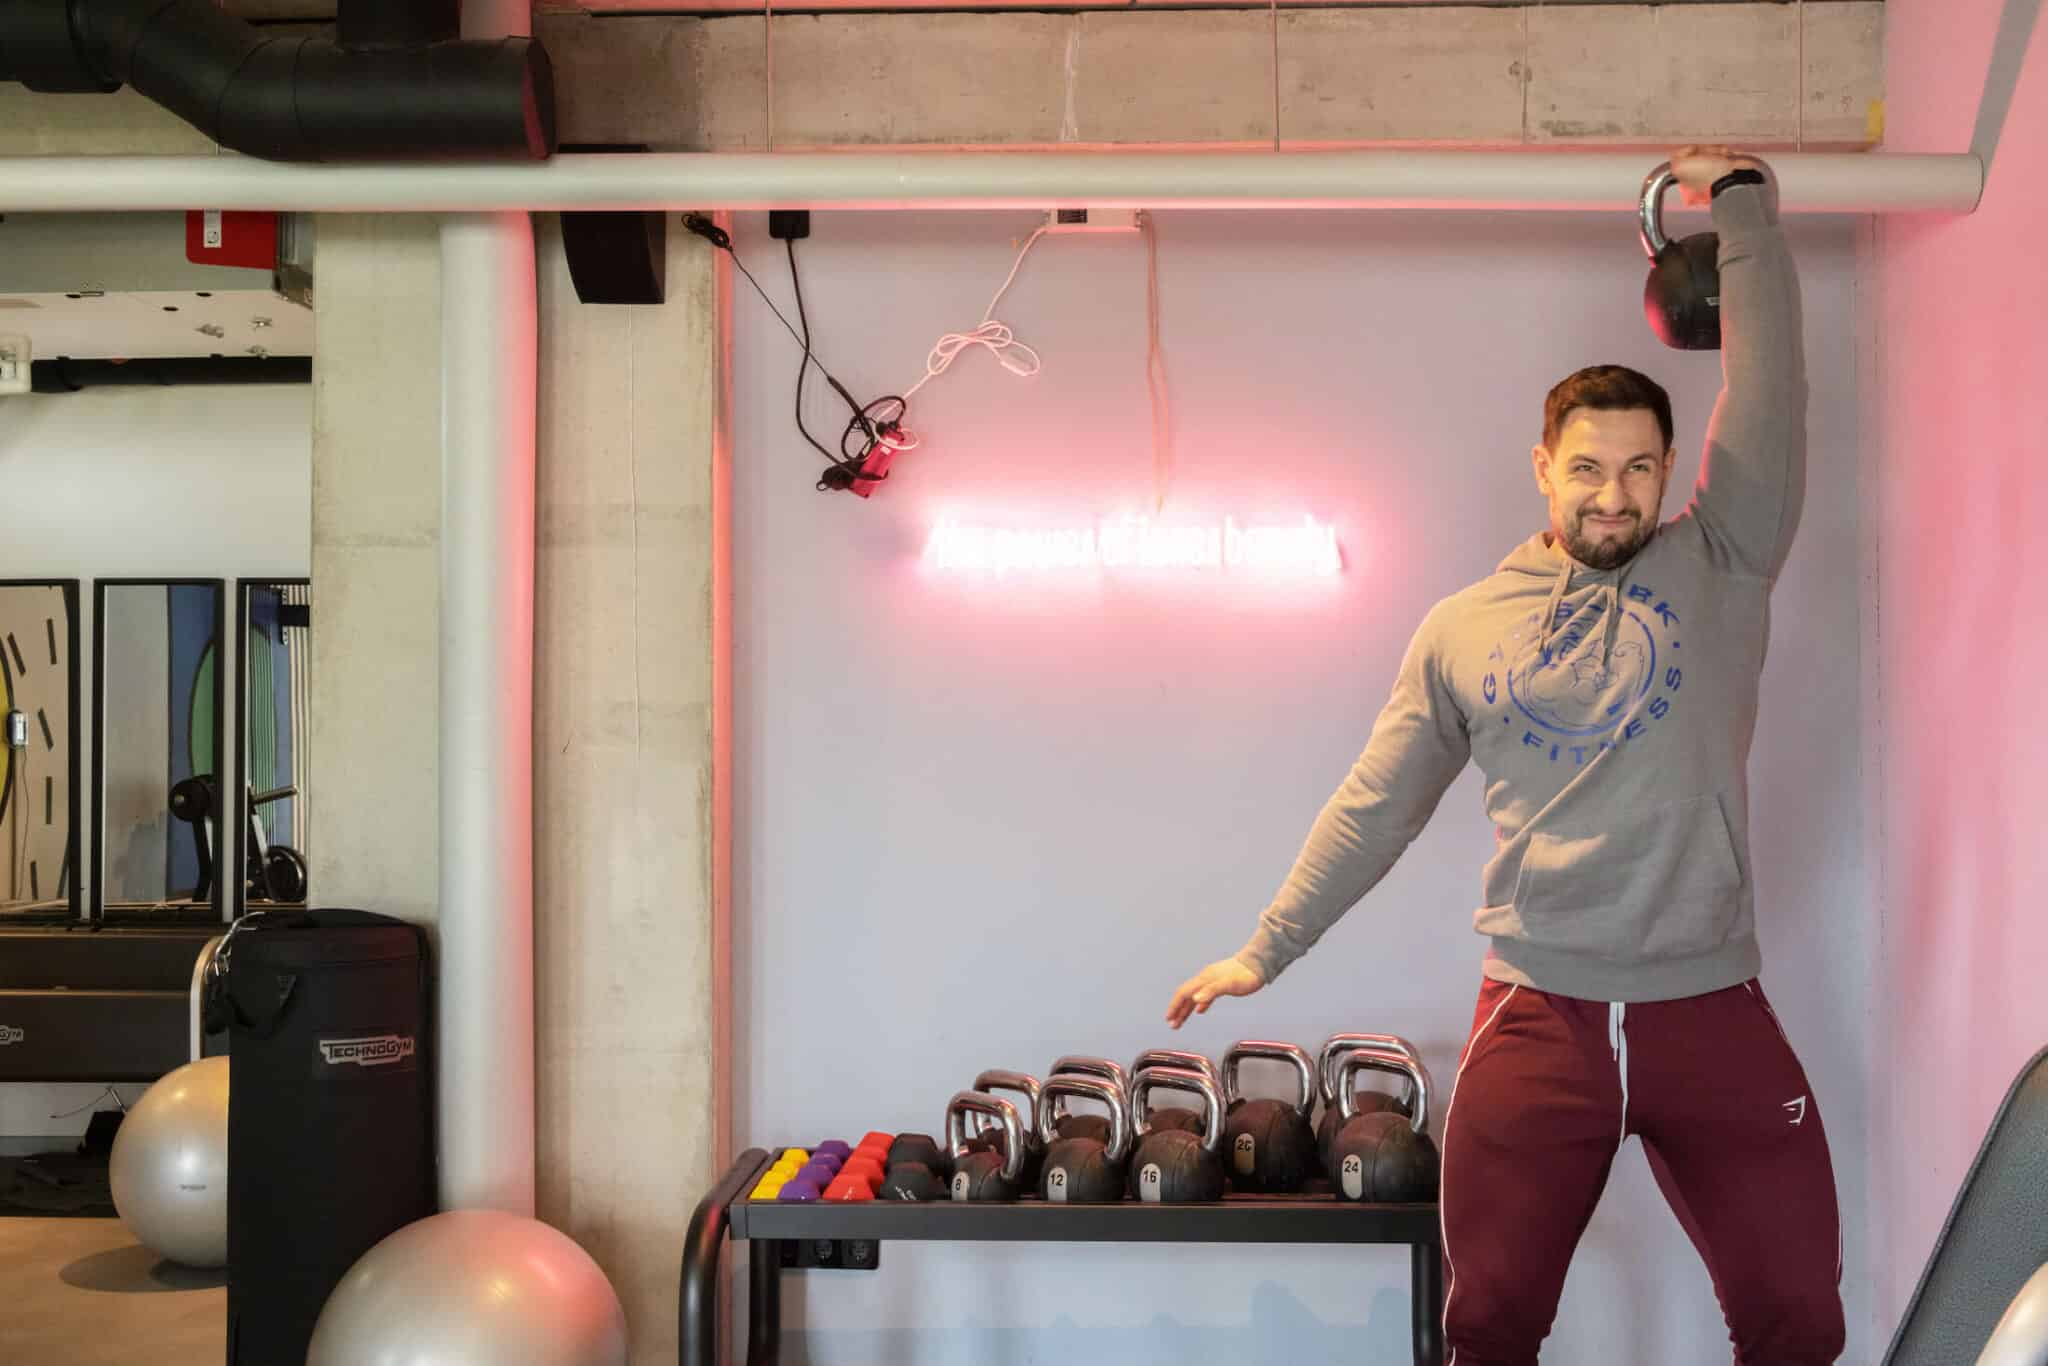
[1698, 167]
[1225, 977]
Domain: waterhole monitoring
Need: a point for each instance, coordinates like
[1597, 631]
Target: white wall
[1959, 355]
[982, 825]
[210, 482]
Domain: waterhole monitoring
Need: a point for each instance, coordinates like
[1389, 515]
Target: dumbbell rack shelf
[768, 1226]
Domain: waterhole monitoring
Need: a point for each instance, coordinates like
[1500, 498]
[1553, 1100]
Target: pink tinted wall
[1960, 402]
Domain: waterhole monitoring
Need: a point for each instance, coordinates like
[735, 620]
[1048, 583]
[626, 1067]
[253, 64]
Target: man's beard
[1612, 551]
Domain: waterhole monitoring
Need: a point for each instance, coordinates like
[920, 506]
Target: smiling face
[1604, 477]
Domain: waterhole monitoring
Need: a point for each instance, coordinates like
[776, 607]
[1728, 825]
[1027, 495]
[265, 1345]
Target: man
[1604, 678]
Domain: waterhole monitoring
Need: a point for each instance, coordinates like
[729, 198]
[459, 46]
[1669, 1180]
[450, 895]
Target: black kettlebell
[996, 1081]
[1173, 1166]
[1333, 1051]
[1089, 1126]
[1682, 297]
[1381, 1156]
[1177, 1116]
[985, 1175]
[1267, 1143]
[1080, 1170]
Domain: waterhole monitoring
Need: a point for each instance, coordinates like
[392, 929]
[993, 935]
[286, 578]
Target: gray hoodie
[1611, 711]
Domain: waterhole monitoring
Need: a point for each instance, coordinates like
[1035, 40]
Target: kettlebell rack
[772, 1229]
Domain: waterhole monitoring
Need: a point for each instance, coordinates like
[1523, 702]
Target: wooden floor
[82, 1292]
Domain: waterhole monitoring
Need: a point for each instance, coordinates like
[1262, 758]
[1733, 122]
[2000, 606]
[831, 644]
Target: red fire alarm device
[227, 237]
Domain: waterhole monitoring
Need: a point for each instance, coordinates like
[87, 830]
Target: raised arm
[1753, 473]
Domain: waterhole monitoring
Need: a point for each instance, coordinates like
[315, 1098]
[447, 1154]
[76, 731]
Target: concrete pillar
[376, 565]
[628, 765]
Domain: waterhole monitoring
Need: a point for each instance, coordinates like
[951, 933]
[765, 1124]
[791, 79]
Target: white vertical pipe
[489, 346]
[485, 1067]
[484, 1125]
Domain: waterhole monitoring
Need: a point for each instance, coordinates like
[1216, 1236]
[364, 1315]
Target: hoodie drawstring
[1611, 628]
[1557, 591]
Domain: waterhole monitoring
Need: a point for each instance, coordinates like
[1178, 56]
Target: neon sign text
[1305, 549]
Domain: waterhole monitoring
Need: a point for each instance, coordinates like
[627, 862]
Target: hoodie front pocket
[1663, 885]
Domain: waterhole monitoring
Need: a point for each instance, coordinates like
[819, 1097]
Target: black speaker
[616, 258]
[330, 1112]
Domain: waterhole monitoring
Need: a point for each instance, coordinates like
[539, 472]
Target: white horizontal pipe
[1809, 182]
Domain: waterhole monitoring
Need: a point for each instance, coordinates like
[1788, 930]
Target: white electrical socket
[14, 363]
[1091, 220]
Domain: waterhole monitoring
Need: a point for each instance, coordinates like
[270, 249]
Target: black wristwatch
[1741, 175]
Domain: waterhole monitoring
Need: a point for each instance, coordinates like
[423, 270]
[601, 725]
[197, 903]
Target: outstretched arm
[1418, 745]
[1753, 474]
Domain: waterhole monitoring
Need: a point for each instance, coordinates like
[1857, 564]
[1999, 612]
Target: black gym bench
[849, 1235]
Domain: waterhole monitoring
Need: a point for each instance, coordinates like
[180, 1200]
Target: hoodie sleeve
[1418, 745]
[1753, 474]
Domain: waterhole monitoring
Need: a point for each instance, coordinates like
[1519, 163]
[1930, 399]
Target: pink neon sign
[1304, 549]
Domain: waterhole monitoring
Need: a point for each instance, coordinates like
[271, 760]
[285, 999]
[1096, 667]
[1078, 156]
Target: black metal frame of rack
[768, 1226]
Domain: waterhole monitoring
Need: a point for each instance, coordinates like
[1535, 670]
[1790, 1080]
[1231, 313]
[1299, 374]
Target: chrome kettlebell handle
[995, 1108]
[1174, 1057]
[1186, 1079]
[1337, 1045]
[1378, 1060]
[1650, 212]
[1274, 1051]
[1084, 1087]
[1078, 1064]
[1016, 1083]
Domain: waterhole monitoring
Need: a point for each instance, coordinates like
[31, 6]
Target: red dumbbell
[846, 1187]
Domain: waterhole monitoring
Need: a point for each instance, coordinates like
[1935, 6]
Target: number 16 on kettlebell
[1174, 1166]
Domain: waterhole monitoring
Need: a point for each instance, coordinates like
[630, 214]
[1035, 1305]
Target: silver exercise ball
[169, 1167]
[472, 1288]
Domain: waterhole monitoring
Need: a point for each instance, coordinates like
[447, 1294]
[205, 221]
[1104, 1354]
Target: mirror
[156, 749]
[39, 791]
[272, 697]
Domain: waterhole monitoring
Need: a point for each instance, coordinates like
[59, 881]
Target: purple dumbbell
[801, 1191]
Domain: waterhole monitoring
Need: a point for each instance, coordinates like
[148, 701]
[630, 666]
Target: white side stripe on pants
[1444, 1170]
[1617, 1039]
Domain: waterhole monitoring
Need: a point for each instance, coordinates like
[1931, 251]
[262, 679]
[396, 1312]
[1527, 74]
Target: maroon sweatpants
[1548, 1088]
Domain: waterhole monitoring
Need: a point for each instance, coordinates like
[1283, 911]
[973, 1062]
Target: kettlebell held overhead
[1682, 296]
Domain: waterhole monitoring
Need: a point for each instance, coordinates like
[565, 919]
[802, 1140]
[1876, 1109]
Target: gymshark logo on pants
[375, 1051]
[9, 1034]
[1796, 1109]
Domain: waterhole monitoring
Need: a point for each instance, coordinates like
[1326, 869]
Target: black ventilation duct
[397, 86]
